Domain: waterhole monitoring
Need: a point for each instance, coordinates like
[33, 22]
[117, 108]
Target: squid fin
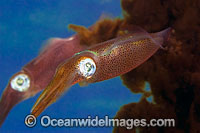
[135, 34]
[47, 44]
[162, 37]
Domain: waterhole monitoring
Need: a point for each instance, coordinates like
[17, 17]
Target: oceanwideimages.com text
[47, 121]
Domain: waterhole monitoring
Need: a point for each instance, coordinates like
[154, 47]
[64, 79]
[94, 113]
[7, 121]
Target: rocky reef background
[173, 74]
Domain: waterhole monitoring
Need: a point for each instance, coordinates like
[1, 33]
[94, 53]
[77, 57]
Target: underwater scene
[100, 66]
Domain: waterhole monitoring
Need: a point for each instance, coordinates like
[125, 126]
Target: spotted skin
[130, 55]
[112, 58]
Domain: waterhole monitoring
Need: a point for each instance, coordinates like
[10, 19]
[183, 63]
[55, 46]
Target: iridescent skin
[40, 71]
[112, 58]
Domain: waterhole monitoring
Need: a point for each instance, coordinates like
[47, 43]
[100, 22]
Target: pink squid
[36, 75]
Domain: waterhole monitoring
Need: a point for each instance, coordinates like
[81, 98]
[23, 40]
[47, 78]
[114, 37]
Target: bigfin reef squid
[100, 62]
[37, 74]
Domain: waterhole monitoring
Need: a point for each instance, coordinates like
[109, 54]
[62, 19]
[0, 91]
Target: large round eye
[87, 67]
[20, 82]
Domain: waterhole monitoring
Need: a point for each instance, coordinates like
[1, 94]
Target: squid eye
[87, 67]
[20, 82]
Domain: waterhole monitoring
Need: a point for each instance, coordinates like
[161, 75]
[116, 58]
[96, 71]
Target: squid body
[101, 62]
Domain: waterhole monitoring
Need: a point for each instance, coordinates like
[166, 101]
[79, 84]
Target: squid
[100, 62]
[37, 74]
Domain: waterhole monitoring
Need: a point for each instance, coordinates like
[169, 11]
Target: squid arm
[67, 75]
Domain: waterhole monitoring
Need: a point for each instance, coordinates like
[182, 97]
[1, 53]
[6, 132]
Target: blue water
[24, 26]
